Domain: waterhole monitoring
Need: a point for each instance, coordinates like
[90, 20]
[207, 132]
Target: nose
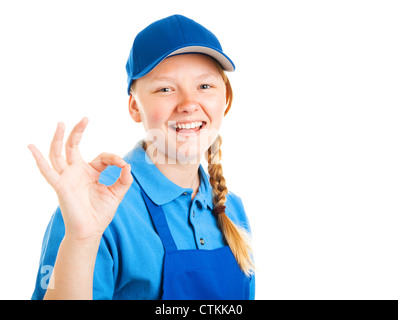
[187, 103]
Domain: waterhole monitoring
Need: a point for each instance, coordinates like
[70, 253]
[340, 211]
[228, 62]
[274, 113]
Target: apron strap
[160, 222]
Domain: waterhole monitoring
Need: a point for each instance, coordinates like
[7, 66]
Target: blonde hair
[236, 236]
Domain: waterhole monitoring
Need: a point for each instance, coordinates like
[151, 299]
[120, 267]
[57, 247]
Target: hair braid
[236, 237]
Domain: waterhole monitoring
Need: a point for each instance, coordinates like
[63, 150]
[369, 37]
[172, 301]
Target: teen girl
[153, 225]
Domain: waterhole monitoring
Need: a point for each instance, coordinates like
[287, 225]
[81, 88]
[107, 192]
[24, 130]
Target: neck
[183, 175]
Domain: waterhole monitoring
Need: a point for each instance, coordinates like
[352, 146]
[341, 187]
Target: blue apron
[197, 274]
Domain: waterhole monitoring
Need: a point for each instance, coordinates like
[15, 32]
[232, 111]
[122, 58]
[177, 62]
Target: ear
[133, 109]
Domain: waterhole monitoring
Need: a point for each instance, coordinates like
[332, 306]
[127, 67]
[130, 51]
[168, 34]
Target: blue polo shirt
[129, 262]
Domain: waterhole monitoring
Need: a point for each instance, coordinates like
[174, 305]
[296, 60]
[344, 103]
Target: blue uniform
[130, 259]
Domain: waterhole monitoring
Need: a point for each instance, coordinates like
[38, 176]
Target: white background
[310, 143]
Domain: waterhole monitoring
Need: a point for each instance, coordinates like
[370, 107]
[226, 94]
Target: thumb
[123, 183]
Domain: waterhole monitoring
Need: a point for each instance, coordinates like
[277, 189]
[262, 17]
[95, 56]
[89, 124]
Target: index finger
[107, 159]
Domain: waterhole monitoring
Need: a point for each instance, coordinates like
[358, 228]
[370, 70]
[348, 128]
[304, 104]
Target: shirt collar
[155, 184]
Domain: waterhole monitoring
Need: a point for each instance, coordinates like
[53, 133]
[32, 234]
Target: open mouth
[188, 127]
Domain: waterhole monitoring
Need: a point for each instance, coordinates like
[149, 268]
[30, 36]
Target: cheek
[156, 116]
[216, 111]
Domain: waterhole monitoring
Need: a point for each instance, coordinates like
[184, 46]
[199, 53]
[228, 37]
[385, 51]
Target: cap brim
[225, 62]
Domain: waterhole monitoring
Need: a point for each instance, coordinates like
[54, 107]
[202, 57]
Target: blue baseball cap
[168, 37]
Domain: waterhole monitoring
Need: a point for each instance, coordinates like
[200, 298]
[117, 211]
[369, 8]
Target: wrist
[83, 243]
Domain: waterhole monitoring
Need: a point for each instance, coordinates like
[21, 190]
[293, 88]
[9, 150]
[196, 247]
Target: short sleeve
[53, 236]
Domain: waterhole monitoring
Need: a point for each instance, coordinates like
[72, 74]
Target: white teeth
[191, 125]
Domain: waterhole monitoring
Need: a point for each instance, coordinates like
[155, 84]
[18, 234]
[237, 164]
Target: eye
[164, 90]
[205, 86]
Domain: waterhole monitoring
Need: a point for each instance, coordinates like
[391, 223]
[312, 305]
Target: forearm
[72, 278]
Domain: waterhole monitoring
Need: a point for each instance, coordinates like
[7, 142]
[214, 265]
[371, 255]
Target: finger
[48, 173]
[107, 159]
[72, 144]
[57, 160]
[123, 183]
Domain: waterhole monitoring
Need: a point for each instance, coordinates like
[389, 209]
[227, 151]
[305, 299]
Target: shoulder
[233, 199]
[236, 211]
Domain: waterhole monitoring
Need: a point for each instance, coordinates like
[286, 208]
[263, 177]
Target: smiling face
[181, 104]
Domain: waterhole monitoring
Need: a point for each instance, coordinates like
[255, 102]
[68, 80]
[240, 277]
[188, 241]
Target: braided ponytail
[236, 237]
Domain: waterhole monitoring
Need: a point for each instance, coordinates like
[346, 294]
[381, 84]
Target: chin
[189, 152]
[175, 148]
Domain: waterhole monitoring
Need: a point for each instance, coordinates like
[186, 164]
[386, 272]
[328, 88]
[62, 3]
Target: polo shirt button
[202, 242]
[184, 193]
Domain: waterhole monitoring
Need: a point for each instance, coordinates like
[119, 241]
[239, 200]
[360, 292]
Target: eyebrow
[202, 76]
[207, 75]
